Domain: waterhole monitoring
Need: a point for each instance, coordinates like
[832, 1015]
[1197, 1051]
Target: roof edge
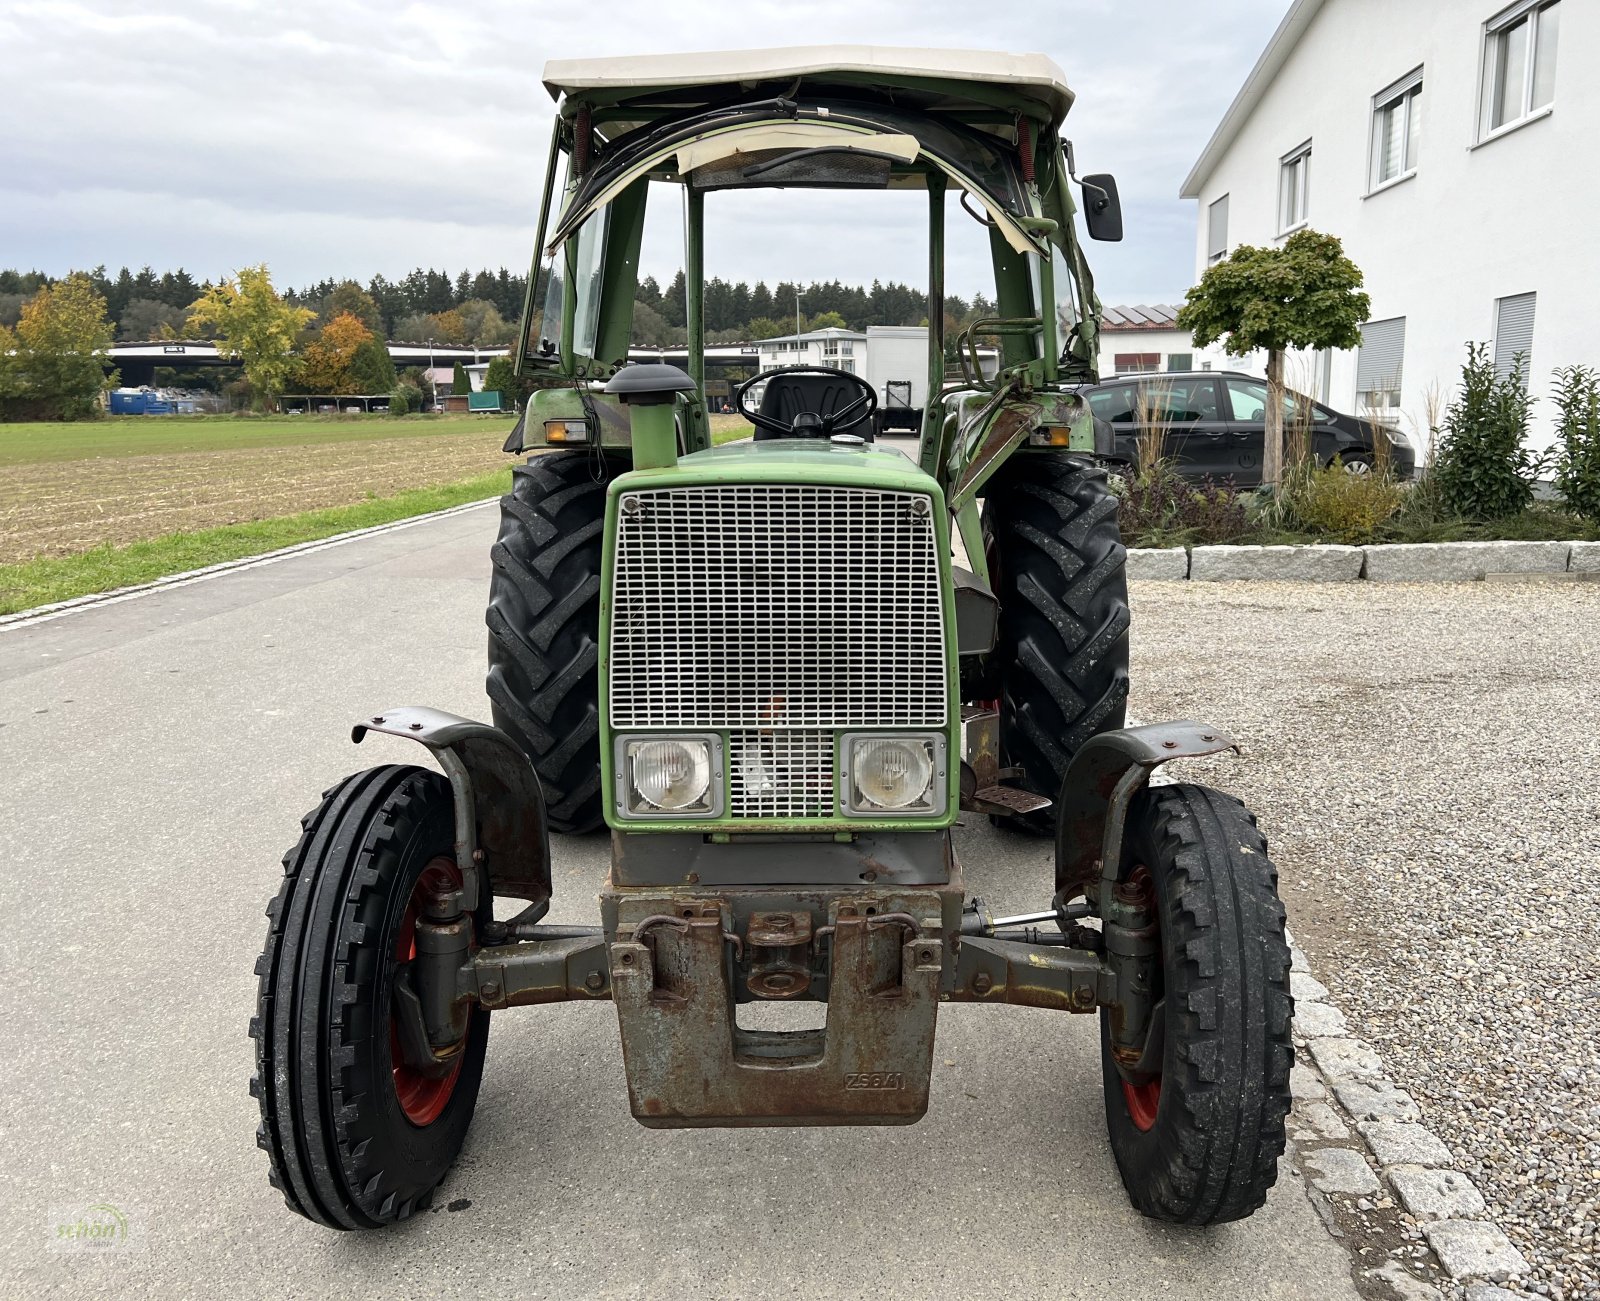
[1272, 59]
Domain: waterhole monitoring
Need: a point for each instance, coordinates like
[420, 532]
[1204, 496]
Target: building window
[1136, 363]
[1519, 64]
[1294, 189]
[1380, 366]
[1180, 361]
[847, 365]
[1217, 231]
[1513, 334]
[1396, 130]
[830, 348]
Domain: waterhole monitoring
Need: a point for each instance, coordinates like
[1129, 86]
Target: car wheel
[1355, 462]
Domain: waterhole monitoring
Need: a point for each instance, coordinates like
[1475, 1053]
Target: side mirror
[1102, 209]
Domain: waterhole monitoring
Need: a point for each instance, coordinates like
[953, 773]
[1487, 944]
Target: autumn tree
[251, 322]
[58, 367]
[348, 296]
[327, 363]
[1305, 294]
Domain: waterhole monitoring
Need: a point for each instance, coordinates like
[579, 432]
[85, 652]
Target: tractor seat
[787, 396]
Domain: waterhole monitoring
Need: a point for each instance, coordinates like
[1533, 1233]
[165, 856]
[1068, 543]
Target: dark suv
[1215, 423]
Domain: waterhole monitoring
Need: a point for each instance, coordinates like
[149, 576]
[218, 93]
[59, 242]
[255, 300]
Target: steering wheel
[813, 424]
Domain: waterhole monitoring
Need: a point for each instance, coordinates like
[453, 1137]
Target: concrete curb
[60, 609]
[1364, 1148]
[1400, 562]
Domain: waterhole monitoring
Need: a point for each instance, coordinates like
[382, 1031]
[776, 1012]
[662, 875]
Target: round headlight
[671, 774]
[892, 774]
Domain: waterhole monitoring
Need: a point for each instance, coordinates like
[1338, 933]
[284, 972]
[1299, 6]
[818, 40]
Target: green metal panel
[1013, 298]
[777, 462]
[929, 452]
[620, 276]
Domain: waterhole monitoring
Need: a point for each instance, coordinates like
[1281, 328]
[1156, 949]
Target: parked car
[1215, 425]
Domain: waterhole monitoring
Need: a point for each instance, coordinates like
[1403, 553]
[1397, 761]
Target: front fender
[1100, 784]
[499, 807]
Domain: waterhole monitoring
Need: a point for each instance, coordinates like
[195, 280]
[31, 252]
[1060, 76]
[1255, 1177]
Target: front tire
[1059, 568]
[544, 627]
[1199, 1144]
[356, 1140]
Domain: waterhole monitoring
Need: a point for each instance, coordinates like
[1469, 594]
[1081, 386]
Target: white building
[1139, 340]
[842, 349]
[1443, 142]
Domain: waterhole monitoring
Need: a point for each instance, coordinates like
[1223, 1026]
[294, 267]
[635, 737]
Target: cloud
[333, 137]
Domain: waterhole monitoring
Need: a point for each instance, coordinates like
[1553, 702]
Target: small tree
[501, 378]
[372, 368]
[1577, 394]
[251, 322]
[459, 383]
[1485, 470]
[61, 342]
[1306, 294]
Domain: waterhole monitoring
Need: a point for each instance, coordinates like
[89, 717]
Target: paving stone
[1305, 1085]
[1403, 1283]
[1319, 1020]
[1158, 562]
[1399, 1142]
[1346, 1059]
[1436, 1194]
[1340, 1170]
[1376, 1101]
[1331, 564]
[1306, 988]
[1455, 562]
[1320, 1121]
[1474, 1249]
[1585, 558]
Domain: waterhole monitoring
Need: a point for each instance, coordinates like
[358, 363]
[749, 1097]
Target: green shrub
[399, 401]
[501, 377]
[1578, 439]
[1485, 470]
[1345, 507]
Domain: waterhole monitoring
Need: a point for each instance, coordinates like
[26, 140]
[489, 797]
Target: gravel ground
[1422, 758]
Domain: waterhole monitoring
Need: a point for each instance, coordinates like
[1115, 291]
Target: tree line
[481, 309]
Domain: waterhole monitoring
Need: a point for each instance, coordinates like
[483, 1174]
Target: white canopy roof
[1033, 75]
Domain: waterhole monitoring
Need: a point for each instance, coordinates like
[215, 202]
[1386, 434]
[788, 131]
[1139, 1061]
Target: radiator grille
[780, 613]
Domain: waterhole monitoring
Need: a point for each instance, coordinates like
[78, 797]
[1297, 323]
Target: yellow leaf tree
[61, 339]
[251, 322]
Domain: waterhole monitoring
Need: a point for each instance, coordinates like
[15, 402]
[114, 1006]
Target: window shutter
[1513, 333]
[1382, 358]
[1217, 232]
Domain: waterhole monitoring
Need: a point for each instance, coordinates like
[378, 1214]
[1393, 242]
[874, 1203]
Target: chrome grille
[779, 613]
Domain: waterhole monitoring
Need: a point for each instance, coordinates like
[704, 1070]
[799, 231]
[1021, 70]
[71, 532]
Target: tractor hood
[798, 460]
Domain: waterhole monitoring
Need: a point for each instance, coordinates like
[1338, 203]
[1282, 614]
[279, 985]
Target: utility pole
[797, 314]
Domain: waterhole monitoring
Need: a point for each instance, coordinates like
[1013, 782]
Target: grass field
[89, 507]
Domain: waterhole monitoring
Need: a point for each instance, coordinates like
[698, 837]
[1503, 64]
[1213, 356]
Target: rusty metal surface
[878, 958]
[499, 805]
[1004, 801]
[1004, 435]
[1002, 971]
[538, 971]
[1101, 781]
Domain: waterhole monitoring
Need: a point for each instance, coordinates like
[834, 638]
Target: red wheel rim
[422, 1097]
[1144, 1100]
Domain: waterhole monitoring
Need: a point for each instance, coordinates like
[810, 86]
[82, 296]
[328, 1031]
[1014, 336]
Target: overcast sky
[347, 137]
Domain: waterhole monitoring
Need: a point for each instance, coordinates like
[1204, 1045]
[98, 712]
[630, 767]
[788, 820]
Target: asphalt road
[159, 753]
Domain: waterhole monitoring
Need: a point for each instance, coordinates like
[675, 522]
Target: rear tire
[544, 627]
[1200, 1144]
[1059, 568]
[352, 1142]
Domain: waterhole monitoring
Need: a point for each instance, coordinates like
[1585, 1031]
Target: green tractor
[762, 668]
